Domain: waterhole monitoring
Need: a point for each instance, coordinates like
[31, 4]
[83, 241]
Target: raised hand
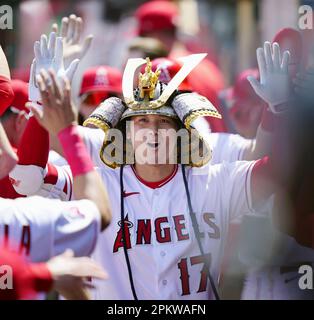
[70, 275]
[49, 55]
[274, 85]
[71, 33]
[58, 111]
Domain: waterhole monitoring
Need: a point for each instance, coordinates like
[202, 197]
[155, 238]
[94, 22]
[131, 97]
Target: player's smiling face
[153, 138]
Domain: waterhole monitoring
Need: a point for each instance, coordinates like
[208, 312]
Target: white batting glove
[274, 84]
[49, 55]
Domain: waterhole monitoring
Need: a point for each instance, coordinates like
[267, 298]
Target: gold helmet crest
[148, 81]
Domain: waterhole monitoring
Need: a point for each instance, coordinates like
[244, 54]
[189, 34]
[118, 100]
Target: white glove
[71, 32]
[274, 85]
[49, 55]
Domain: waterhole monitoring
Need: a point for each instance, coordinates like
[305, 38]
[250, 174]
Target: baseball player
[167, 238]
[21, 132]
[30, 224]
[14, 117]
[274, 275]
[39, 229]
[98, 84]
[8, 156]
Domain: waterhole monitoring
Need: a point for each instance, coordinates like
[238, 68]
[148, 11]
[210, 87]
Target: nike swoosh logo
[127, 194]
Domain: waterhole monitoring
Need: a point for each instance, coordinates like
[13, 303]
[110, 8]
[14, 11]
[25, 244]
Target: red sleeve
[34, 146]
[27, 279]
[7, 190]
[6, 94]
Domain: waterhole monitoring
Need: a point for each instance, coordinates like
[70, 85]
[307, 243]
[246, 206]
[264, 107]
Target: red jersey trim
[52, 174]
[156, 184]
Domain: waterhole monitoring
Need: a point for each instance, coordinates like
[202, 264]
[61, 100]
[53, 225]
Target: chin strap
[125, 250]
[197, 232]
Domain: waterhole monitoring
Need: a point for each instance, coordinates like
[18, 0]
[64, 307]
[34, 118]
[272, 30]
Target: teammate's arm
[262, 180]
[64, 273]
[274, 89]
[58, 117]
[261, 145]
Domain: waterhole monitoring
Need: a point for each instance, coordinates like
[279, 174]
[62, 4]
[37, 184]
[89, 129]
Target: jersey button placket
[159, 252]
[154, 203]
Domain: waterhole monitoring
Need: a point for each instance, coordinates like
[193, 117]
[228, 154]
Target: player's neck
[154, 173]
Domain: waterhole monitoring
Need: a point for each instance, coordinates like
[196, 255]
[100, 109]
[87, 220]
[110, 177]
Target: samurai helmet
[152, 96]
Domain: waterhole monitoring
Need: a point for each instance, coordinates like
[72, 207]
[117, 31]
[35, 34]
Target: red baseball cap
[101, 79]
[20, 89]
[290, 39]
[242, 89]
[242, 99]
[156, 15]
[242, 92]
[168, 69]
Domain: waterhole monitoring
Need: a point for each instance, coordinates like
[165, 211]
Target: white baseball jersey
[165, 259]
[228, 147]
[42, 228]
[276, 283]
[56, 159]
[273, 273]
